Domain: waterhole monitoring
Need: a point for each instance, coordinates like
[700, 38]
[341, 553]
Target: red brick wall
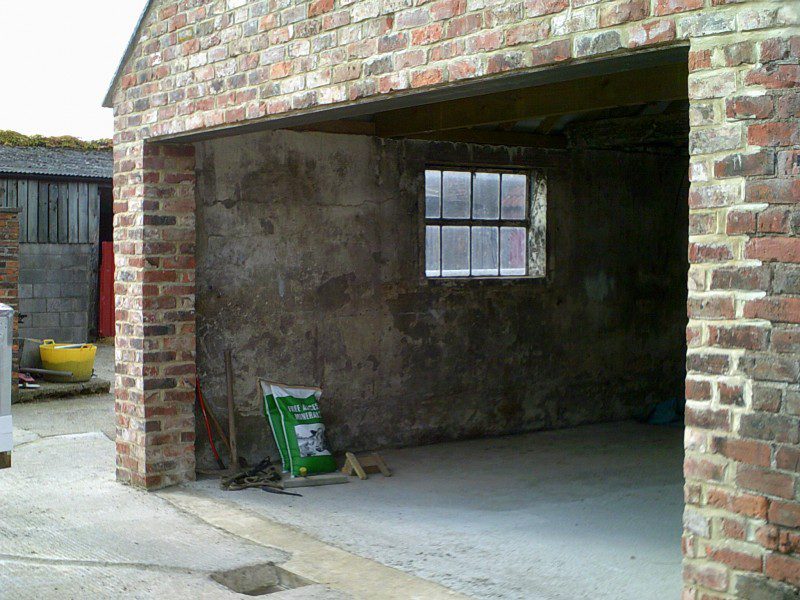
[213, 64]
[9, 275]
[154, 255]
[743, 413]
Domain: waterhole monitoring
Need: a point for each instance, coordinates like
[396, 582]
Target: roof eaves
[108, 101]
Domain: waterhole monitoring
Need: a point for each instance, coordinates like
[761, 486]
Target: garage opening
[457, 277]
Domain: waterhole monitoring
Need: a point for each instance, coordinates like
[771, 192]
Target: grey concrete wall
[58, 291]
[309, 268]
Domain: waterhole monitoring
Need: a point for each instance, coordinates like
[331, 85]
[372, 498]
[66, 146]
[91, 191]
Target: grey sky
[57, 58]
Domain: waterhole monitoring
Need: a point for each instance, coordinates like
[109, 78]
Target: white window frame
[534, 223]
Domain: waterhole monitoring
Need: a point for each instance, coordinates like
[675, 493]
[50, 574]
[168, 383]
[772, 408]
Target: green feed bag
[293, 415]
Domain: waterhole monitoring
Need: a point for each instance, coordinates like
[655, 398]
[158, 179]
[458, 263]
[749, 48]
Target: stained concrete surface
[68, 530]
[592, 512]
[587, 513]
[310, 268]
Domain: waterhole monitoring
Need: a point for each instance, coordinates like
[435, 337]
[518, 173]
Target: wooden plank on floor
[315, 480]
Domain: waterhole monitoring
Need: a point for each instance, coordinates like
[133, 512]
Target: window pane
[486, 196]
[514, 196]
[433, 194]
[455, 194]
[455, 251]
[432, 250]
[513, 251]
[484, 250]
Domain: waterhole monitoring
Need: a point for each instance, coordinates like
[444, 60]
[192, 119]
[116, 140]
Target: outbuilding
[65, 201]
[466, 219]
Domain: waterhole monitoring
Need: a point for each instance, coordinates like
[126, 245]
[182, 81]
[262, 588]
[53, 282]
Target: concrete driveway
[69, 531]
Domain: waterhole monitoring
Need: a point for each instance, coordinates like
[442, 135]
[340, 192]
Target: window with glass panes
[477, 223]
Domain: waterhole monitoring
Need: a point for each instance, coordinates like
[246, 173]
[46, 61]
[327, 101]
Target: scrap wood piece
[315, 480]
[360, 465]
[5, 460]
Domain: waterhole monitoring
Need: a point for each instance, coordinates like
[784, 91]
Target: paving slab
[64, 514]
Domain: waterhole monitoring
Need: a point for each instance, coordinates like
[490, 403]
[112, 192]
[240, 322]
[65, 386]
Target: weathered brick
[698, 389]
[623, 12]
[655, 32]
[770, 367]
[775, 76]
[668, 7]
[537, 8]
[744, 451]
[773, 191]
[713, 196]
[774, 134]
[713, 577]
[758, 587]
[597, 43]
[708, 419]
[740, 221]
[765, 481]
[766, 398]
[771, 427]
[742, 165]
[712, 307]
[774, 249]
[785, 339]
[783, 568]
[749, 107]
[741, 561]
[786, 279]
[703, 469]
[709, 252]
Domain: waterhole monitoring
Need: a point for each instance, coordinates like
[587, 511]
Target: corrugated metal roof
[61, 162]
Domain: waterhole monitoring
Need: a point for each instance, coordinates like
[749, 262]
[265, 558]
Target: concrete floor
[69, 531]
[586, 513]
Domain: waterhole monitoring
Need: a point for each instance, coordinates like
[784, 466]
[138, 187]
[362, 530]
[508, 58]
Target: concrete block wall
[320, 282]
[58, 291]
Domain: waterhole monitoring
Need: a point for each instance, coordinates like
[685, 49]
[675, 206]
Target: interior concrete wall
[58, 291]
[309, 269]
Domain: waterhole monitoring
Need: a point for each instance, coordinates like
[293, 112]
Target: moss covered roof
[12, 138]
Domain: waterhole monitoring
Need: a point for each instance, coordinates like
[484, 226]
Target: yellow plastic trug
[77, 359]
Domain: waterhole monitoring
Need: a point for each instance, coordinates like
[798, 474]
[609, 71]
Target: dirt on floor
[585, 513]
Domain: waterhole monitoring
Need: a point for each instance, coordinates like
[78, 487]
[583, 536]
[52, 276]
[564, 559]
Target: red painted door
[106, 326]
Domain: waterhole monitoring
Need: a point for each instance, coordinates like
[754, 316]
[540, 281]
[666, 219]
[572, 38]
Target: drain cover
[259, 580]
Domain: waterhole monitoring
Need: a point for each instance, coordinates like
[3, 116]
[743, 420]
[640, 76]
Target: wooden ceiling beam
[342, 126]
[493, 138]
[627, 88]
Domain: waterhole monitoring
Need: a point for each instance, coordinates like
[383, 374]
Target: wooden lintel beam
[627, 88]
[493, 138]
[346, 127]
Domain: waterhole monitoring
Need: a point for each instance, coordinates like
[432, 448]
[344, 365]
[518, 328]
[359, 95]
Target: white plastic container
[6, 338]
